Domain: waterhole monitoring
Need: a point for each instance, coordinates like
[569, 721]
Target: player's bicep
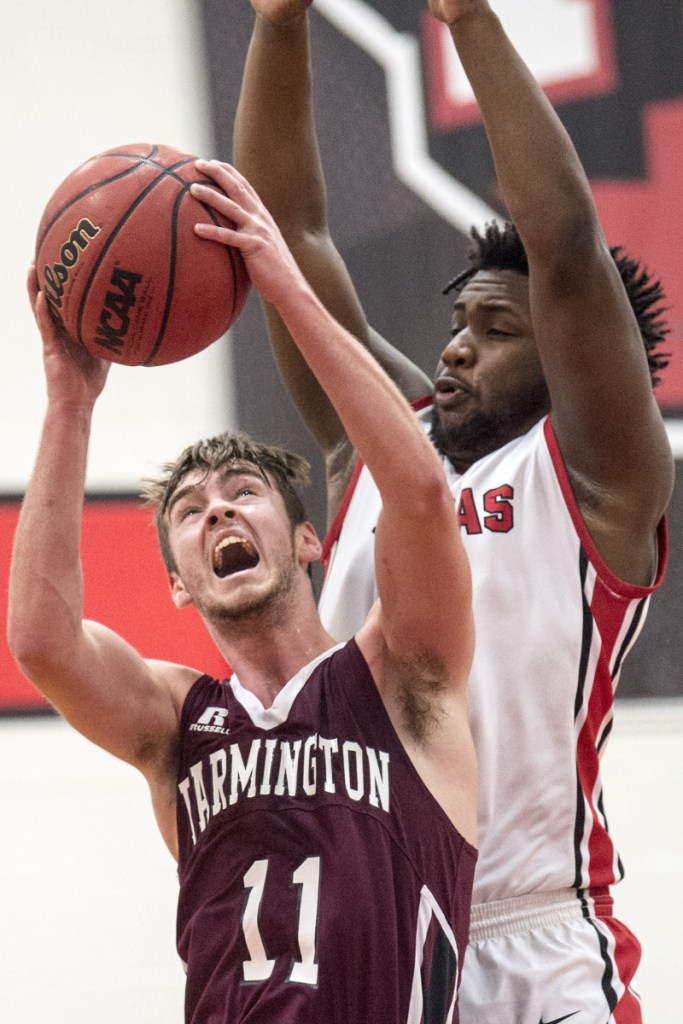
[108, 692]
[595, 364]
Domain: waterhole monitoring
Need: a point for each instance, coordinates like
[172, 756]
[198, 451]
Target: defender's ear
[180, 596]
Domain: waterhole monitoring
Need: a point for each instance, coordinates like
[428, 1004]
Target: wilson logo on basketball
[57, 275]
[114, 318]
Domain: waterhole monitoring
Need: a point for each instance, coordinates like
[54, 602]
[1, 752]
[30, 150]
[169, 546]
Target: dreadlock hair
[278, 466]
[501, 248]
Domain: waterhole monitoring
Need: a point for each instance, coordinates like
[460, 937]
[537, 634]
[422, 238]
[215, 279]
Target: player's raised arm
[423, 574]
[95, 679]
[604, 415]
[275, 147]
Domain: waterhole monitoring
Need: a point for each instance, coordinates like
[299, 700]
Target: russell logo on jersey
[211, 720]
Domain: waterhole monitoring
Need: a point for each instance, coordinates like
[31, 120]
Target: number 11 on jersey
[258, 967]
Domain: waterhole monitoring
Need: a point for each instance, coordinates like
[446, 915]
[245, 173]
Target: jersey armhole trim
[332, 535]
[612, 581]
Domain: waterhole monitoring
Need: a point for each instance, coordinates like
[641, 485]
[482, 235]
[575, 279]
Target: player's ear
[181, 598]
[308, 546]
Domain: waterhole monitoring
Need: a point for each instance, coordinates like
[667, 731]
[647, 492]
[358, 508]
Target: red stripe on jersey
[332, 535]
[613, 605]
[626, 958]
[619, 587]
[608, 617]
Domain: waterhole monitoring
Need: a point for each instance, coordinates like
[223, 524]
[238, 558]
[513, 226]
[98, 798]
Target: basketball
[120, 264]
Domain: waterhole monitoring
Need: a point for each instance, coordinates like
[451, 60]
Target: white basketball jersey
[553, 625]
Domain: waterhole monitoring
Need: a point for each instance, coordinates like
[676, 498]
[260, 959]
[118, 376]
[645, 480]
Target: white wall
[76, 78]
[87, 890]
[643, 779]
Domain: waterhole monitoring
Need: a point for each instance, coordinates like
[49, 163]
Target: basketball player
[289, 793]
[557, 457]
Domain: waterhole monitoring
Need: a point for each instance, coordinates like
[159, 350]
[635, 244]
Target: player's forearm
[274, 142]
[275, 147]
[541, 178]
[376, 417]
[46, 590]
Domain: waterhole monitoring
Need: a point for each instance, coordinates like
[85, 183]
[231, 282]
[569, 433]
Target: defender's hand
[281, 12]
[451, 11]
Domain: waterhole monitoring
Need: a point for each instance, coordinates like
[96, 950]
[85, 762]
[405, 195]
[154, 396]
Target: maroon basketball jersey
[320, 881]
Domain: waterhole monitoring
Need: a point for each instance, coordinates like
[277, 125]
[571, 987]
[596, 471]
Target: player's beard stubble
[480, 433]
[269, 606]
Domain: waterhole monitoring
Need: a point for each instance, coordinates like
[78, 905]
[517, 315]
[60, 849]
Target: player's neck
[265, 658]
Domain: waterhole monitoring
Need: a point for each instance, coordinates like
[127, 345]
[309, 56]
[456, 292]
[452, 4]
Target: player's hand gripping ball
[122, 269]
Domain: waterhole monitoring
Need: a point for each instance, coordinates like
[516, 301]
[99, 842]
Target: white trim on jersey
[428, 910]
[278, 712]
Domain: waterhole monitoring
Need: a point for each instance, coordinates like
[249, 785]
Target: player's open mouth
[234, 554]
[449, 389]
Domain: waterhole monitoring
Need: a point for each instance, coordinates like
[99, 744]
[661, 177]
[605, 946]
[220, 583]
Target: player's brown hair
[280, 468]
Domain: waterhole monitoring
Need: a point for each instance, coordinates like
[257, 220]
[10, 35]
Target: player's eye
[189, 510]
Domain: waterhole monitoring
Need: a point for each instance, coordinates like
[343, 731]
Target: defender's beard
[466, 441]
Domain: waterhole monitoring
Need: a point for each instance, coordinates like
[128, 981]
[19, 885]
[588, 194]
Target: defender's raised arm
[607, 423]
[275, 147]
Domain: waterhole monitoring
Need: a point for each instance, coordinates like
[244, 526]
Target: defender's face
[489, 385]
[232, 541]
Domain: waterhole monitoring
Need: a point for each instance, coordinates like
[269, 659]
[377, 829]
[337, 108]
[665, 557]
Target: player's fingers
[43, 315]
[217, 233]
[228, 178]
[220, 202]
[32, 285]
[44, 320]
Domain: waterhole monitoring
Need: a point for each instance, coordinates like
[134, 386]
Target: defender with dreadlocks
[556, 454]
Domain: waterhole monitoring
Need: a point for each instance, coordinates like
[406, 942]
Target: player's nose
[461, 350]
[219, 512]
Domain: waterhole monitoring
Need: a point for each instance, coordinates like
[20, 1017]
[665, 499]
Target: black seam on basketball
[105, 248]
[91, 188]
[171, 279]
[231, 256]
[233, 271]
[140, 161]
[169, 292]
